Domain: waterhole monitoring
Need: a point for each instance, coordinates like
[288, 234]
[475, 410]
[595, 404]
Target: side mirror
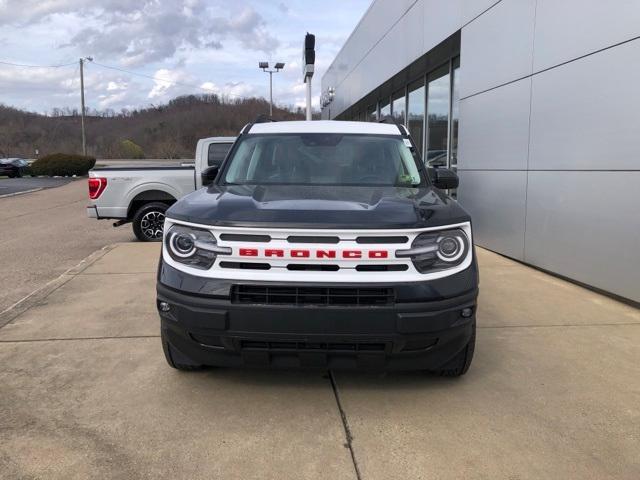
[209, 175]
[443, 178]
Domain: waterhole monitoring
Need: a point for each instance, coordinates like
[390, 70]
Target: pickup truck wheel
[176, 359]
[459, 364]
[148, 222]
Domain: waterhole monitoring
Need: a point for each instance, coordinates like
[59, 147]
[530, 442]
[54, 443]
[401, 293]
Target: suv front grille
[277, 295]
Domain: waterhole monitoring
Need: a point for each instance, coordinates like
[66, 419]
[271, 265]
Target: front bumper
[214, 330]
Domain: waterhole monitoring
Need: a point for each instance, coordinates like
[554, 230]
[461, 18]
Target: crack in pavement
[345, 425]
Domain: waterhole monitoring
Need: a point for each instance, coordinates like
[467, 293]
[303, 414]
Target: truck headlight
[432, 251]
[193, 246]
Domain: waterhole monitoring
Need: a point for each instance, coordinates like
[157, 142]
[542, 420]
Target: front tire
[175, 358]
[148, 222]
[459, 364]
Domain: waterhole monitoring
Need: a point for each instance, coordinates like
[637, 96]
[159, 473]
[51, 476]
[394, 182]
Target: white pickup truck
[141, 195]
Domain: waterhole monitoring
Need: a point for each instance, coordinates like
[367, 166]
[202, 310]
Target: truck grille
[277, 295]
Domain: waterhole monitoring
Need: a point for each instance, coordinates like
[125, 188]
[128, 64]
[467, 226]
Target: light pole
[84, 140]
[265, 68]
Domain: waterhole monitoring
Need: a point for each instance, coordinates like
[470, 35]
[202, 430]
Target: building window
[372, 113]
[438, 96]
[455, 113]
[398, 107]
[415, 117]
[385, 109]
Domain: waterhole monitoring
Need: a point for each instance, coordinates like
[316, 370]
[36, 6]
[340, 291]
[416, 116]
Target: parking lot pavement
[17, 185]
[554, 392]
[44, 233]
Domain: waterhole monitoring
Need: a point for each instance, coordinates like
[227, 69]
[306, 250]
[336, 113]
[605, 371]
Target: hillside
[165, 131]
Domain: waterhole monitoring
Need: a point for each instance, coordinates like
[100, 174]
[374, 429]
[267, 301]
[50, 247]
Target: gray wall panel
[389, 37]
[496, 202]
[572, 28]
[442, 18]
[584, 114]
[585, 225]
[497, 47]
[472, 8]
[494, 128]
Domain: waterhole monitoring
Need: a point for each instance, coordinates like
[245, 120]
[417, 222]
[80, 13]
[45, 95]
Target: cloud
[249, 28]
[144, 32]
[211, 44]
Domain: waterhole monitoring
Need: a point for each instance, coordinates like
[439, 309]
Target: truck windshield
[322, 159]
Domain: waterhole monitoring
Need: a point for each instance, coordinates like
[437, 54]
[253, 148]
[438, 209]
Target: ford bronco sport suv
[320, 244]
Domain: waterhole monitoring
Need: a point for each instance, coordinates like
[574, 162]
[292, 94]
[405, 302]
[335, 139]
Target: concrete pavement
[554, 392]
[44, 233]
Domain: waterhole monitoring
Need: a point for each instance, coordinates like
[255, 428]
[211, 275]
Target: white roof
[219, 139]
[326, 126]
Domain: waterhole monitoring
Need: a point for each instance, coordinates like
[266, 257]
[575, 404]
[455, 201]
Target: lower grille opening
[313, 346]
[382, 268]
[245, 265]
[312, 267]
[328, 296]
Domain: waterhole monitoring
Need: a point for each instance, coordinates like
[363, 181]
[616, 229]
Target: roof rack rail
[262, 118]
[394, 121]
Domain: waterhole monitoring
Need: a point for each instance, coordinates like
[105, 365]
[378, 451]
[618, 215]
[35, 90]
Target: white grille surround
[346, 273]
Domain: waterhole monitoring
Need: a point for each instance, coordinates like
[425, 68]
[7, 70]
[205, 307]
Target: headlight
[193, 246]
[433, 251]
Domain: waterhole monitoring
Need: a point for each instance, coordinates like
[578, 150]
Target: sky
[189, 46]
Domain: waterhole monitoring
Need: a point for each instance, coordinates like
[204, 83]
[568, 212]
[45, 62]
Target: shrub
[63, 165]
[131, 150]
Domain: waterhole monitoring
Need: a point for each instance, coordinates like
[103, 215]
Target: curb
[37, 296]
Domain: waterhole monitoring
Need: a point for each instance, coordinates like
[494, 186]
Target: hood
[293, 206]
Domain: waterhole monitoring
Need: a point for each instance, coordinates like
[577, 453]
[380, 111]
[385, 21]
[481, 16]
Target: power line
[37, 66]
[153, 77]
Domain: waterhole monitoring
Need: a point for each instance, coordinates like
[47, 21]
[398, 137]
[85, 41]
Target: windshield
[322, 159]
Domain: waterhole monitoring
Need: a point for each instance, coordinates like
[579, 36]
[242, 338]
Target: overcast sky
[212, 44]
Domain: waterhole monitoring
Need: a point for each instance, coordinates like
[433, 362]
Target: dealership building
[535, 104]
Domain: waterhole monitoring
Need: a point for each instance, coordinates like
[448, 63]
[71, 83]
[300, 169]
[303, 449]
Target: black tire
[11, 175]
[177, 359]
[459, 364]
[148, 222]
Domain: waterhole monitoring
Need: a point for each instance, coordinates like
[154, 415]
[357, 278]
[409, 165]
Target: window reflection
[385, 109]
[455, 114]
[438, 117]
[372, 113]
[398, 107]
[415, 120]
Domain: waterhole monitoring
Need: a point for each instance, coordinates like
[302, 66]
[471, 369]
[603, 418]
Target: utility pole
[84, 138]
[271, 93]
[264, 66]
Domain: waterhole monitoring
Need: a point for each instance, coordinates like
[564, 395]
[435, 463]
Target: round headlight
[183, 244]
[450, 248]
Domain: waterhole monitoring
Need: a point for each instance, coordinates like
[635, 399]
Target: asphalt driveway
[17, 185]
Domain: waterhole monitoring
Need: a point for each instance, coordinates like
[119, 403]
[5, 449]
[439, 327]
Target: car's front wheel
[148, 222]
